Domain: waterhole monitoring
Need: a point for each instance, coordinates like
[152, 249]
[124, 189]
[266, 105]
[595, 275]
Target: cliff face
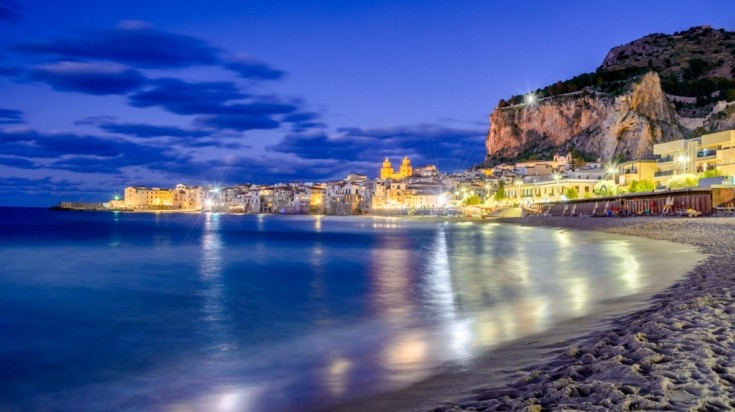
[606, 125]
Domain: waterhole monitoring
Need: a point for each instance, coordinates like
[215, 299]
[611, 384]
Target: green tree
[682, 181]
[472, 200]
[500, 191]
[571, 193]
[644, 185]
[605, 188]
[711, 173]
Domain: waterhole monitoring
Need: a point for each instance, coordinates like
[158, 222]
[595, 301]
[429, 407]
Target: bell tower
[386, 172]
[406, 169]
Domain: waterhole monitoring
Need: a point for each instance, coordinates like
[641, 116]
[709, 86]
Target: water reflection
[391, 277]
[629, 266]
[337, 375]
[435, 293]
[318, 223]
[214, 312]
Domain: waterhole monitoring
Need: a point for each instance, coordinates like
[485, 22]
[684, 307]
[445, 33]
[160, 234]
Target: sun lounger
[668, 206]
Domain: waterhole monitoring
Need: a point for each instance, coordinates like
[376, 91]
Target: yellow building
[636, 170]
[691, 156]
[386, 171]
[143, 197]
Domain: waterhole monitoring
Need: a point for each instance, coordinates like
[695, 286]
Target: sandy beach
[676, 354]
[672, 351]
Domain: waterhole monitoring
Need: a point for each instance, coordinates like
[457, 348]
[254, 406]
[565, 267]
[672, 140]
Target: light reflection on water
[285, 312]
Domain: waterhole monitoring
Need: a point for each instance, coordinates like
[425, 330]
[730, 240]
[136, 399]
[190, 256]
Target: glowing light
[442, 200]
[530, 98]
[409, 349]
[337, 375]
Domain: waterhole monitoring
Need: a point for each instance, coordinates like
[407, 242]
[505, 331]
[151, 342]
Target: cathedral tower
[386, 172]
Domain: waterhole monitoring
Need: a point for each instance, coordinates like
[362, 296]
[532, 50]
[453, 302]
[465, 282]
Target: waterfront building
[187, 197]
[344, 197]
[388, 194]
[140, 197]
[266, 194]
[548, 190]
[690, 156]
[635, 170]
[426, 195]
[307, 199]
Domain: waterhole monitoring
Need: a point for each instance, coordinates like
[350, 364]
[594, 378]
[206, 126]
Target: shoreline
[672, 350]
[676, 353]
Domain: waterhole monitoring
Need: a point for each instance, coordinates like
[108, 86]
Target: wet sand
[674, 351]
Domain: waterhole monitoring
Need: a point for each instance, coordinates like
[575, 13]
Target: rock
[624, 126]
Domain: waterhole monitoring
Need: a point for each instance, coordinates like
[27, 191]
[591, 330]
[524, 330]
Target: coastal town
[705, 163]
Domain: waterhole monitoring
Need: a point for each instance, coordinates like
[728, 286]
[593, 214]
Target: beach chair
[668, 206]
[606, 208]
[594, 210]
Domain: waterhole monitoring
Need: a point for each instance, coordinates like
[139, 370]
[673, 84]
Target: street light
[612, 170]
[557, 178]
[518, 184]
[682, 160]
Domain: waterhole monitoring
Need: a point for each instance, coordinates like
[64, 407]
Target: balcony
[706, 153]
[665, 159]
[663, 173]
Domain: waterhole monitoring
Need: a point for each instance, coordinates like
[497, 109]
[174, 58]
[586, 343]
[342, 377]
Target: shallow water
[183, 312]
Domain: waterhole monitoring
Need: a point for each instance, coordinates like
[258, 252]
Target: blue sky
[96, 96]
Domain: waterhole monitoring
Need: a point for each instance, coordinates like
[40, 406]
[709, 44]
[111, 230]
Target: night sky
[99, 95]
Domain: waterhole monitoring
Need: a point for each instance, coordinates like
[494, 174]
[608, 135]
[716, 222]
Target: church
[386, 172]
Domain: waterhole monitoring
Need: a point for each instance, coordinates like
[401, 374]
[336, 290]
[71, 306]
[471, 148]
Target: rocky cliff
[654, 89]
[593, 122]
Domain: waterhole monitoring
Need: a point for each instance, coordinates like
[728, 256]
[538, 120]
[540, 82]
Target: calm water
[183, 312]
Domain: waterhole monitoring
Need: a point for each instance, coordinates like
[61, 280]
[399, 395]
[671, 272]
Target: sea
[218, 312]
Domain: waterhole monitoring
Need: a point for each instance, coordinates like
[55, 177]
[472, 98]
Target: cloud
[238, 122]
[18, 162]
[164, 135]
[92, 78]
[220, 105]
[139, 44]
[9, 116]
[302, 121]
[249, 68]
[180, 97]
[108, 124]
[244, 169]
[82, 153]
[132, 43]
[423, 143]
[46, 191]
